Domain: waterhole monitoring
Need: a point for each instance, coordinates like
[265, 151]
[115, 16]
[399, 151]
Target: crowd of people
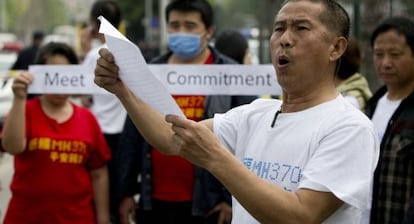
[328, 151]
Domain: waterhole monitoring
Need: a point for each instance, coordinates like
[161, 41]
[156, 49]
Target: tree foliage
[24, 16]
[134, 15]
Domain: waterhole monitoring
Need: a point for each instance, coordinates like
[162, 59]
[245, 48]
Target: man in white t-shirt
[392, 112]
[106, 107]
[307, 159]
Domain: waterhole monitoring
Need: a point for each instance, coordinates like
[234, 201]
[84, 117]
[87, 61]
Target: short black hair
[350, 60]
[402, 25]
[201, 6]
[56, 48]
[232, 44]
[38, 35]
[107, 8]
[334, 17]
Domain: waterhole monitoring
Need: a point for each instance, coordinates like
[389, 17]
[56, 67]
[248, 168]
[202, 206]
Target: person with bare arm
[308, 158]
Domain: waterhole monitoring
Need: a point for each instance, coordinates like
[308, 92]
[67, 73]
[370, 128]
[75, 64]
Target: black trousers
[112, 141]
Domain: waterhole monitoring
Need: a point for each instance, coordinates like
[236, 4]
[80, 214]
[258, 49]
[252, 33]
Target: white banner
[218, 79]
[66, 79]
[178, 79]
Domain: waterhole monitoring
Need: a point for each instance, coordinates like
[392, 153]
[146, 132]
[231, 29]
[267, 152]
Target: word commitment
[223, 79]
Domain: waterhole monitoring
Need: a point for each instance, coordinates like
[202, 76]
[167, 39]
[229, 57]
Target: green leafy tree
[134, 15]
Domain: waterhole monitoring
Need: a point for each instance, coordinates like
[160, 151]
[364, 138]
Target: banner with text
[178, 79]
[218, 79]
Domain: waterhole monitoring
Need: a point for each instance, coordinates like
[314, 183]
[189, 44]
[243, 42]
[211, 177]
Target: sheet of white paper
[135, 73]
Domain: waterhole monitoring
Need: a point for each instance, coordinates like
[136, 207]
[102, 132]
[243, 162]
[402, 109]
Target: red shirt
[52, 182]
[173, 176]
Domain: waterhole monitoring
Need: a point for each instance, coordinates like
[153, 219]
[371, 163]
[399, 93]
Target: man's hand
[126, 209]
[107, 74]
[225, 213]
[196, 142]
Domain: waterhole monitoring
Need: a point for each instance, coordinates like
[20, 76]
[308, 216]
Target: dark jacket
[25, 58]
[134, 155]
[397, 161]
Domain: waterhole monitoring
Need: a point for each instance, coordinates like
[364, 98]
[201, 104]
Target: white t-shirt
[353, 100]
[382, 115]
[106, 107]
[331, 147]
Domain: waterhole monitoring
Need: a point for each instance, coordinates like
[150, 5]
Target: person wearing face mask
[185, 45]
[172, 190]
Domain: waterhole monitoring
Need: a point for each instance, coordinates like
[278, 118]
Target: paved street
[6, 173]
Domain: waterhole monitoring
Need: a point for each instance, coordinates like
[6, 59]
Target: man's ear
[338, 48]
[210, 32]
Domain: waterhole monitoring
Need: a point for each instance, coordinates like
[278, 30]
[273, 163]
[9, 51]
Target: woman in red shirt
[60, 154]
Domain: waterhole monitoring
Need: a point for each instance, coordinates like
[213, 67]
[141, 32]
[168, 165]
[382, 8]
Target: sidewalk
[6, 173]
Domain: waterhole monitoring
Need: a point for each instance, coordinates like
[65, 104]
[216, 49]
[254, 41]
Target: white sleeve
[353, 100]
[225, 127]
[335, 159]
[91, 58]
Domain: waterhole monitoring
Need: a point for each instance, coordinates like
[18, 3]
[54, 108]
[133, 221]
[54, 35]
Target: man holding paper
[173, 190]
[307, 159]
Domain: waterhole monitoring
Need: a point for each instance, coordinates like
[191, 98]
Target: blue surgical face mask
[184, 45]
